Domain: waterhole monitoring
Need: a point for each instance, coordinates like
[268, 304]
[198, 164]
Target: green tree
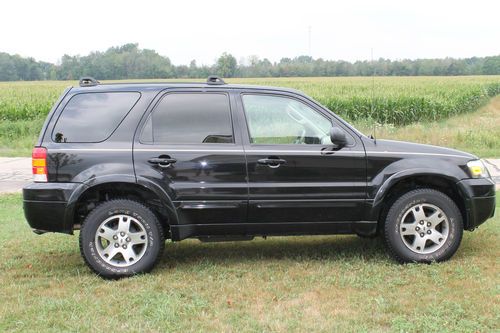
[226, 65]
[131, 62]
[491, 65]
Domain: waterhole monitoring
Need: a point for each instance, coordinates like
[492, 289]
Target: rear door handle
[162, 162]
[271, 162]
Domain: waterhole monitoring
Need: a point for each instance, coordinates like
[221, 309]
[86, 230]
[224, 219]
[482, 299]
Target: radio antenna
[372, 104]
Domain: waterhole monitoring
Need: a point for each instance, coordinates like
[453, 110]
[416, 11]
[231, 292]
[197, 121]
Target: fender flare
[397, 177]
[145, 183]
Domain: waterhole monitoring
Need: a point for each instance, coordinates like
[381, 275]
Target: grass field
[405, 108]
[326, 283]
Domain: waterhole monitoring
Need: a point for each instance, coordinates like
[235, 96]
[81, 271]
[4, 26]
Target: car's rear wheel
[423, 225]
[121, 238]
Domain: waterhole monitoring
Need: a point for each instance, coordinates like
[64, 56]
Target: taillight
[39, 164]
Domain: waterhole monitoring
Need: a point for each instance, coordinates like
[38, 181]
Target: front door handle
[329, 150]
[271, 162]
[162, 162]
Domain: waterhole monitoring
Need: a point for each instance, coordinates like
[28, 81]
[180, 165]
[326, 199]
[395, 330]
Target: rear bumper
[45, 206]
[480, 200]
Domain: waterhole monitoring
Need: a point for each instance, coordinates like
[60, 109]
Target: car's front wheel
[423, 225]
[121, 238]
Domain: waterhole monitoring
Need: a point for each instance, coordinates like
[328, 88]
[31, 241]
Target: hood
[418, 149]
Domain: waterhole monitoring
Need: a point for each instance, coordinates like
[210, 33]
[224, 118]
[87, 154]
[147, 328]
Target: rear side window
[190, 118]
[93, 117]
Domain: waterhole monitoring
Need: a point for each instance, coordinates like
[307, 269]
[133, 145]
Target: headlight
[477, 169]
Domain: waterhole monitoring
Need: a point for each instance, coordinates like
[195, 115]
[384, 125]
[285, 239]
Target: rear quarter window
[93, 117]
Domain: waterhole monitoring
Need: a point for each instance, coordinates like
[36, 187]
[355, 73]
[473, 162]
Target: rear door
[187, 146]
[296, 174]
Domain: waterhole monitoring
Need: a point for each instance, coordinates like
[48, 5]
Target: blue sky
[202, 30]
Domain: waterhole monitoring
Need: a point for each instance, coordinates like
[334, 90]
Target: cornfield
[386, 100]
[395, 100]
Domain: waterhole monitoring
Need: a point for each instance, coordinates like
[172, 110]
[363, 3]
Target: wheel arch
[408, 180]
[86, 197]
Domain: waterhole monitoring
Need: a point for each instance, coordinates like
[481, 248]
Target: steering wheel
[300, 138]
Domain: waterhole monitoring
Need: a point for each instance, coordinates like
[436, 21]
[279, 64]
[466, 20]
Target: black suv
[134, 164]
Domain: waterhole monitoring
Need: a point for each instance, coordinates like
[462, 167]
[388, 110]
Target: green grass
[18, 137]
[324, 283]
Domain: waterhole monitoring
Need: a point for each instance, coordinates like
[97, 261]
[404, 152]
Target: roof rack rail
[88, 81]
[215, 80]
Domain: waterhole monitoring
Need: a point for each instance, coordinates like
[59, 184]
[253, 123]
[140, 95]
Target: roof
[156, 86]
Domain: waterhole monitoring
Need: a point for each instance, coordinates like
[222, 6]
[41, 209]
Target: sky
[202, 30]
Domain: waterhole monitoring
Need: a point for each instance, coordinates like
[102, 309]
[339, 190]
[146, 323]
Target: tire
[121, 238]
[424, 226]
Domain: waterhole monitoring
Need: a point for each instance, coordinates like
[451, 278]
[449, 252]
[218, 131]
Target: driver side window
[283, 120]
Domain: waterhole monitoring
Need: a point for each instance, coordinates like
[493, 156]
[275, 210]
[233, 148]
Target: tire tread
[119, 202]
[448, 254]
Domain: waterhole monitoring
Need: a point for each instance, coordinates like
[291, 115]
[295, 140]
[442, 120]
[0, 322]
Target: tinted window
[282, 120]
[92, 117]
[190, 118]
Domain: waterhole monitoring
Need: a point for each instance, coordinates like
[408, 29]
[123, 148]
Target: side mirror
[337, 136]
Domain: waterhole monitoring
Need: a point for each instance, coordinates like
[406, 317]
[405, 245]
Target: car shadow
[192, 252]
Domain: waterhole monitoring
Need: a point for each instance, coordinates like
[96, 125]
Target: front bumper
[45, 206]
[480, 200]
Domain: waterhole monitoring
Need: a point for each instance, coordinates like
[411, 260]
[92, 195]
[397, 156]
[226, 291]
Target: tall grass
[29, 100]
[396, 101]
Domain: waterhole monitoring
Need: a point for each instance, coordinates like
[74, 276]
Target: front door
[296, 174]
[187, 146]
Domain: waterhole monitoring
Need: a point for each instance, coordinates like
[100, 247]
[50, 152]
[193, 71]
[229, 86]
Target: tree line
[131, 62]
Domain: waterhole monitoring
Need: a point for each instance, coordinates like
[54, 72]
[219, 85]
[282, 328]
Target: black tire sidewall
[395, 215]
[116, 207]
